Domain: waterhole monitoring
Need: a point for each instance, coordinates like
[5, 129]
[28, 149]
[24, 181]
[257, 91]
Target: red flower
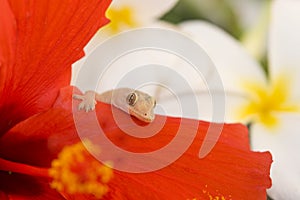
[39, 41]
[230, 171]
[38, 137]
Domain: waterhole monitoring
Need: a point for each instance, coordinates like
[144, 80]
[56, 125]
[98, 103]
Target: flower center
[121, 18]
[268, 100]
[76, 171]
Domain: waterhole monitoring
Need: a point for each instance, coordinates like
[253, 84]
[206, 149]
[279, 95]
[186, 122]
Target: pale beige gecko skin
[133, 102]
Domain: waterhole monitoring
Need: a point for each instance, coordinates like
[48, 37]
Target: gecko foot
[88, 101]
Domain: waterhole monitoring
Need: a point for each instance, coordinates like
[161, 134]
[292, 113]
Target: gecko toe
[87, 105]
[78, 96]
[88, 101]
[81, 106]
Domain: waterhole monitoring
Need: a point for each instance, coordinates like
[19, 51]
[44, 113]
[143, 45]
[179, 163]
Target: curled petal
[230, 170]
[42, 135]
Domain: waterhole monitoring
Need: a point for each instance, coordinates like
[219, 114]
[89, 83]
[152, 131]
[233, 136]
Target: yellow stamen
[76, 171]
[213, 197]
[121, 18]
[209, 196]
[267, 100]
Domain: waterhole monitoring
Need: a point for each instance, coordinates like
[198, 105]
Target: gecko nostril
[145, 114]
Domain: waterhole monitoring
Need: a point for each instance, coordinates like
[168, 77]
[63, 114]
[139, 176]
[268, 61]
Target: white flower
[271, 104]
[134, 13]
[125, 15]
[130, 14]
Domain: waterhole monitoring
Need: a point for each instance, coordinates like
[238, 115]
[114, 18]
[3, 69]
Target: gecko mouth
[146, 117]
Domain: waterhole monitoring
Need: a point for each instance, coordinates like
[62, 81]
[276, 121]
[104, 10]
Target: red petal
[50, 37]
[22, 187]
[231, 170]
[41, 137]
[7, 41]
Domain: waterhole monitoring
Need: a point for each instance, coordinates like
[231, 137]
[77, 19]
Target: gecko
[133, 102]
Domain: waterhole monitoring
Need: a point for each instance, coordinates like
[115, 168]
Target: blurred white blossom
[125, 15]
[129, 14]
[271, 103]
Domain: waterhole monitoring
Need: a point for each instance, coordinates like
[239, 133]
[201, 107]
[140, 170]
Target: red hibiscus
[230, 171]
[39, 42]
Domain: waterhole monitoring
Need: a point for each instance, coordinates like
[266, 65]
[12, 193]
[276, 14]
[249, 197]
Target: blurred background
[246, 20]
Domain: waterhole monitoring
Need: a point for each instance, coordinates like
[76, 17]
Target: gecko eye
[154, 104]
[132, 99]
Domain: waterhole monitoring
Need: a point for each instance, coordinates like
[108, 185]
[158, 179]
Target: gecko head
[141, 105]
